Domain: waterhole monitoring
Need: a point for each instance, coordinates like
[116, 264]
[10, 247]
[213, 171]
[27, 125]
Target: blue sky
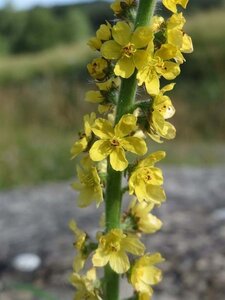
[23, 4]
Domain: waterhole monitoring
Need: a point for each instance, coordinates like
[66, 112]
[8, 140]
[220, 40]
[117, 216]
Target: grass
[42, 107]
[35, 155]
[22, 68]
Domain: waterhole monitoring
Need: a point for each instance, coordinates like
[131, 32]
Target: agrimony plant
[138, 49]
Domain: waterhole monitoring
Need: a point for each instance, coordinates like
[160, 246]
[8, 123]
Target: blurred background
[43, 79]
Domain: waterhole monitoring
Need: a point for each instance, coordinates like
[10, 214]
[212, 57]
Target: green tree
[12, 25]
[75, 26]
[41, 31]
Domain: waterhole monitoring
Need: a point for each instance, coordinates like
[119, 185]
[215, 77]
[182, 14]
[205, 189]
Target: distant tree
[4, 45]
[12, 25]
[75, 26]
[41, 31]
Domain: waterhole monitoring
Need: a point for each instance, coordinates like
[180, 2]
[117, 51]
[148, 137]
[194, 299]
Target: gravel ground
[192, 238]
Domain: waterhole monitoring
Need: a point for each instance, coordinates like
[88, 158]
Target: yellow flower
[89, 185]
[145, 296]
[163, 103]
[146, 180]
[157, 64]
[98, 68]
[94, 43]
[79, 244]
[105, 90]
[81, 145]
[94, 97]
[117, 5]
[112, 249]
[172, 4]
[114, 141]
[125, 47]
[157, 21]
[102, 34]
[176, 36]
[87, 287]
[145, 222]
[162, 109]
[144, 274]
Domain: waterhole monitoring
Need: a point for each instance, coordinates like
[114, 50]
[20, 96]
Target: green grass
[35, 155]
[22, 68]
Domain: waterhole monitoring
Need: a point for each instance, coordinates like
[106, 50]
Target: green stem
[146, 10]
[113, 197]
[127, 96]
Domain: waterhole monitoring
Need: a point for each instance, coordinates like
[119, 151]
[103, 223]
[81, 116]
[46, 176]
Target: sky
[24, 4]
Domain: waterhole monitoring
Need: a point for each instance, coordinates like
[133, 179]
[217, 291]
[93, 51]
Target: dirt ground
[35, 220]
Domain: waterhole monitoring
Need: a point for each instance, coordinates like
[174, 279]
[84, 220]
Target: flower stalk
[113, 189]
[138, 50]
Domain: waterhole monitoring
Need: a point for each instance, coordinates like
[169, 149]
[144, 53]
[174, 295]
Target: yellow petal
[187, 46]
[133, 245]
[166, 52]
[91, 274]
[135, 145]
[158, 122]
[145, 296]
[94, 97]
[153, 135]
[151, 159]
[167, 88]
[124, 67]
[89, 195]
[171, 70]
[121, 33]
[119, 262]
[79, 146]
[100, 150]
[183, 3]
[140, 58]
[163, 105]
[103, 128]
[94, 43]
[152, 84]
[103, 33]
[88, 123]
[118, 160]
[171, 5]
[150, 225]
[176, 21]
[85, 197]
[111, 50]
[104, 108]
[155, 258]
[126, 125]
[170, 131]
[152, 275]
[142, 36]
[100, 259]
[78, 262]
[155, 194]
[175, 37]
[115, 6]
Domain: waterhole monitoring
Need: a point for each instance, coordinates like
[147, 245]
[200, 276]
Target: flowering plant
[143, 50]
